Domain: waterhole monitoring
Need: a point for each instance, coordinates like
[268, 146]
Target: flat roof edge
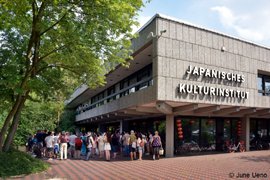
[83, 88]
[159, 15]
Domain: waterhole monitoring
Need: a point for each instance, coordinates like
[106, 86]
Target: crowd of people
[89, 145]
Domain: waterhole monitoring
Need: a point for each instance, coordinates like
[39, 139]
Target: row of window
[135, 82]
[263, 84]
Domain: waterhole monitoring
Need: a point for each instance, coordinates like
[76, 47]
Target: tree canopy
[47, 46]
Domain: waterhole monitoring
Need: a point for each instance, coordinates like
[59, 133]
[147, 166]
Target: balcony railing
[123, 92]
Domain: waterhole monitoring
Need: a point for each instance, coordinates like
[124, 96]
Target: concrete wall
[137, 98]
[184, 45]
[142, 38]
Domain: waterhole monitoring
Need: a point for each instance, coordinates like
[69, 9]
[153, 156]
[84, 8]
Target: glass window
[267, 86]
[227, 130]
[191, 129]
[262, 128]
[124, 84]
[263, 85]
[208, 134]
[259, 83]
[111, 91]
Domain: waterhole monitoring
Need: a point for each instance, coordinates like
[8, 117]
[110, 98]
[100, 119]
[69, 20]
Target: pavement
[246, 165]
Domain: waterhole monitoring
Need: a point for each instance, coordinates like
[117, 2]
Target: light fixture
[152, 35]
[223, 49]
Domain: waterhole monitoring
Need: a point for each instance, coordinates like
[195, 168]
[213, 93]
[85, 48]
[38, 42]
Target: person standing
[83, 149]
[94, 144]
[49, 145]
[126, 143]
[100, 140]
[107, 146]
[150, 143]
[132, 145]
[89, 145]
[140, 144]
[56, 148]
[156, 145]
[71, 148]
[115, 144]
[78, 146]
[63, 146]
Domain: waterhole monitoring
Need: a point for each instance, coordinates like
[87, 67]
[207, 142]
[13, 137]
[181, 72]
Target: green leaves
[38, 115]
[82, 38]
[49, 47]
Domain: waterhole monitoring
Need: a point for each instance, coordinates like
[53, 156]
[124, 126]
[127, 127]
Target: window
[143, 75]
[98, 97]
[263, 85]
[111, 91]
[208, 134]
[134, 82]
[124, 84]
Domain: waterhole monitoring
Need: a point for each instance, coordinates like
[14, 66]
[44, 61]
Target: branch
[45, 67]
[51, 52]
[69, 68]
[57, 22]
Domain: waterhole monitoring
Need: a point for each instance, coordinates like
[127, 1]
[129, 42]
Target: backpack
[142, 143]
[62, 139]
[78, 142]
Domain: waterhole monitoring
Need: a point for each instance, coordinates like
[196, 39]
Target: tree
[66, 121]
[45, 44]
[37, 116]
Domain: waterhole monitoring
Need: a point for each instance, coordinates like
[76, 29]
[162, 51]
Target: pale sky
[245, 19]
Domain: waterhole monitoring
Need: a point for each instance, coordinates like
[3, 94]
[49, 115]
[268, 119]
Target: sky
[246, 19]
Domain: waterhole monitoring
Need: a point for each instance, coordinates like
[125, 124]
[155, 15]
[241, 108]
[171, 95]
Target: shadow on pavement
[256, 158]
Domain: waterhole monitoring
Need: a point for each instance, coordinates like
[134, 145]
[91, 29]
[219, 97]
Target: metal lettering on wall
[213, 91]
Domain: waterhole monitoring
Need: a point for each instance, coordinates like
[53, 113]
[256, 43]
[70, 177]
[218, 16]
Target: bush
[15, 163]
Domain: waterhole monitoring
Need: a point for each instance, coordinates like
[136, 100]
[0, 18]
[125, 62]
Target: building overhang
[161, 108]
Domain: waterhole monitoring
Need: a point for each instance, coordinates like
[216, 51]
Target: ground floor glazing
[193, 135]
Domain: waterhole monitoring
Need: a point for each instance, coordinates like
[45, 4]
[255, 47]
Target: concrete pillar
[169, 135]
[246, 131]
[121, 126]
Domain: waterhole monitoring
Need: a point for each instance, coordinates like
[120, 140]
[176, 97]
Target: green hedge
[15, 163]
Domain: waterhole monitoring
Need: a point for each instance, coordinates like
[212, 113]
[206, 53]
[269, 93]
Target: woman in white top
[100, 140]
[107, 146]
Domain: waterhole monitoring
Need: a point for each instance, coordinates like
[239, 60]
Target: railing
[123, 92]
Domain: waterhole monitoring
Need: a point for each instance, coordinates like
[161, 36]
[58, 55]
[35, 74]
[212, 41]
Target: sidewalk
[217, 166]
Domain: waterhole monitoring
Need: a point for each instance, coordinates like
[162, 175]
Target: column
[246, 131]
[169, 135]
[121, 126]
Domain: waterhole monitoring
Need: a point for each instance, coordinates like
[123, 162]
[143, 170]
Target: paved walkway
[217, 166]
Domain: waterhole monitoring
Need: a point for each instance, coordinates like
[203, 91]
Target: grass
[16, 163]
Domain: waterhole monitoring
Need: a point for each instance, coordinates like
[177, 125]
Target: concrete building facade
[206, 87]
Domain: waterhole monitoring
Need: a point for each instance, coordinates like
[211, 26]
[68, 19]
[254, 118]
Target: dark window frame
[264, 79]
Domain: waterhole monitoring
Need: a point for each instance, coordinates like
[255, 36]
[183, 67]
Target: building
[192, 84]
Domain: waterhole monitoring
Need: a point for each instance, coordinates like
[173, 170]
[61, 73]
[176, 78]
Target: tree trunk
[14, 126]
[7, 121]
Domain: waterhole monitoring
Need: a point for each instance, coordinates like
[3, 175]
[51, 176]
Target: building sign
[213, 91]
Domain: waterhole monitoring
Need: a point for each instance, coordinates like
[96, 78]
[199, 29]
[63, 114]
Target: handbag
[161, 151]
